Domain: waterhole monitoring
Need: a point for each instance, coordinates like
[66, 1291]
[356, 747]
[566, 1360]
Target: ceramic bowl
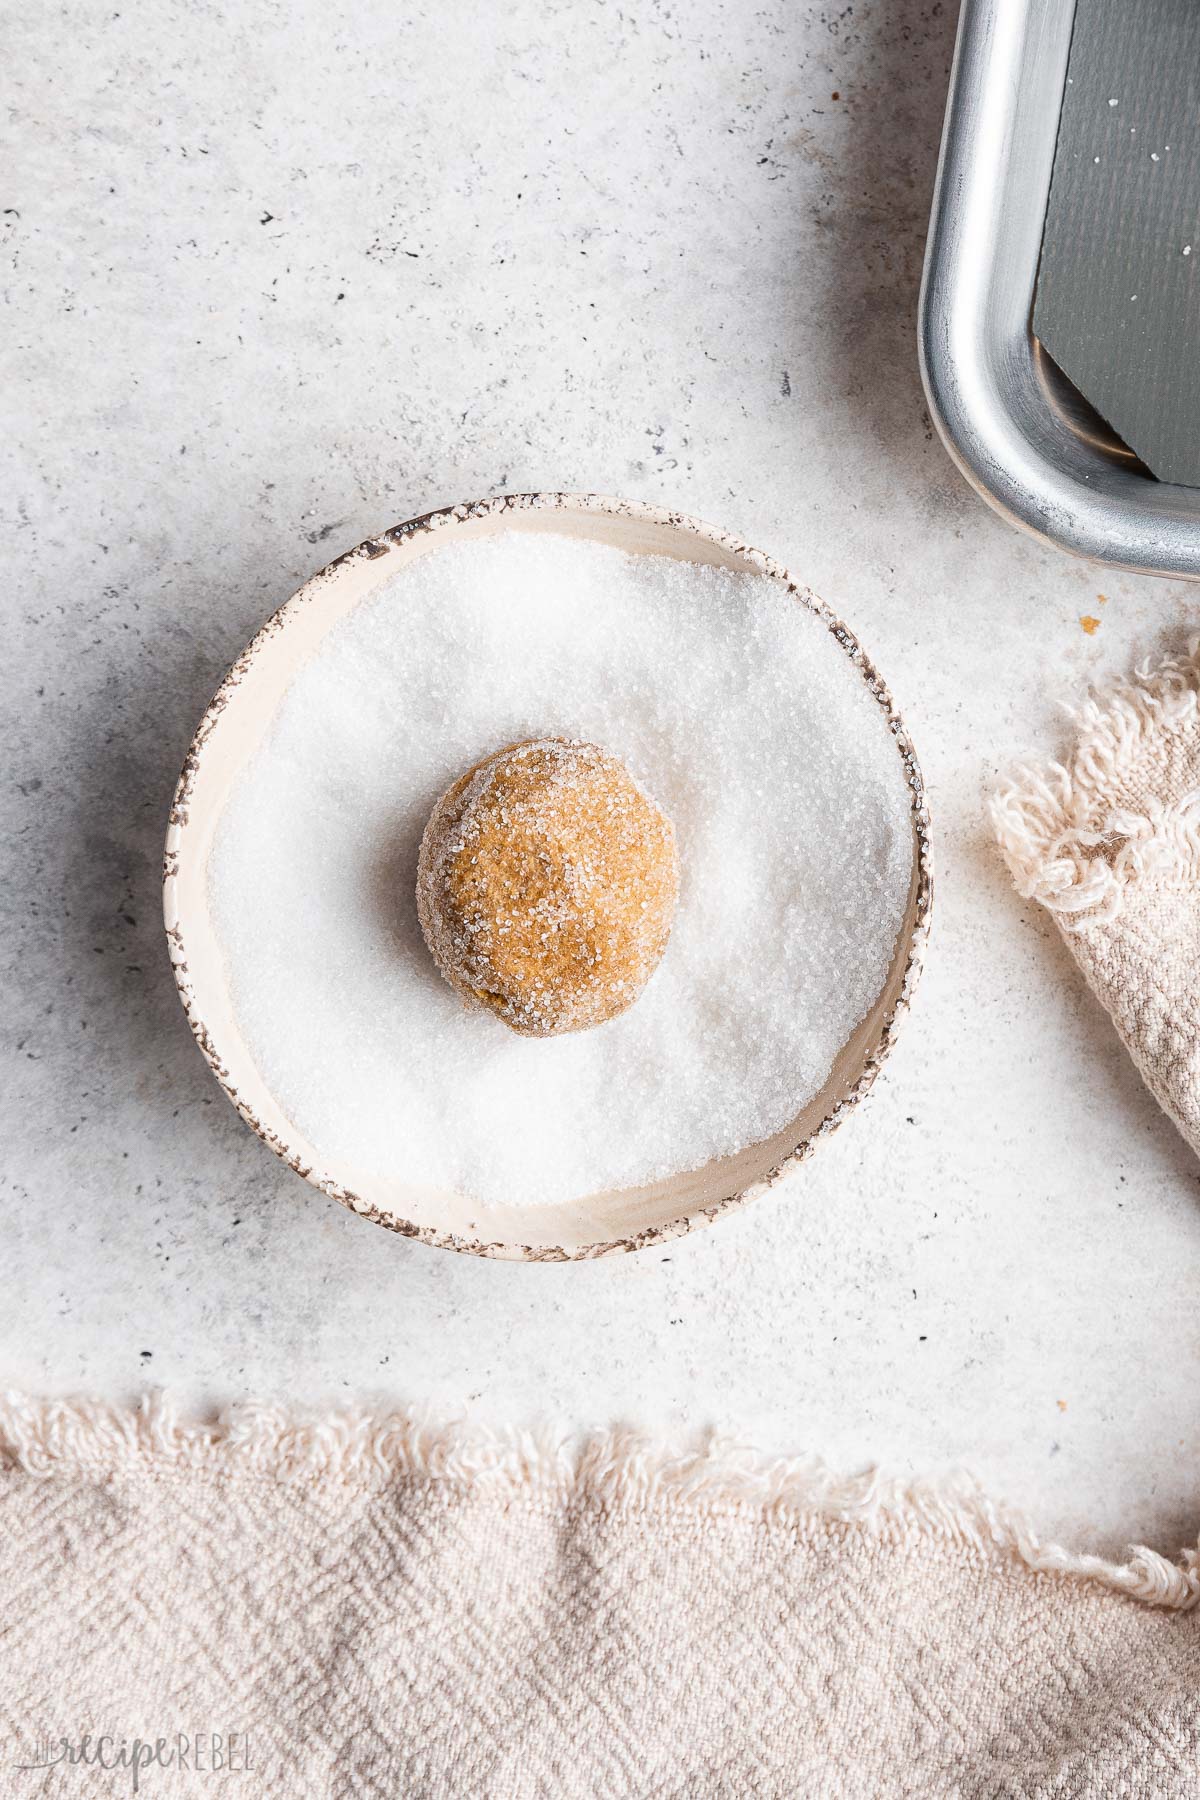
[228, 736]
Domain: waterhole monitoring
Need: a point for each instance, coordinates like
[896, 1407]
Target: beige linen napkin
[362, 1606]
[1109, 842]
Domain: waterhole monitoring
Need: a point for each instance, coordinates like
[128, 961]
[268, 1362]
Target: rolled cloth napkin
[1109, 842]
[361, 1605]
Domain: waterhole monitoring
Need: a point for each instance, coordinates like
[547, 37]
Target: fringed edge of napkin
[100, 1442]
[1064, 841]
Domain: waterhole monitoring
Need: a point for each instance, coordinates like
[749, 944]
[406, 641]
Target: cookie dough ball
[546, 886]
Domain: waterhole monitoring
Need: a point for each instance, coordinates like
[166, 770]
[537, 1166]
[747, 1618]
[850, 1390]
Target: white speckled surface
[273, 284]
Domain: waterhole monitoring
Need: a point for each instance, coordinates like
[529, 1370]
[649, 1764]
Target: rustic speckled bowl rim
[920, 903]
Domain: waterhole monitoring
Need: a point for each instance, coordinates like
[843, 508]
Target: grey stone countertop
[279, 277]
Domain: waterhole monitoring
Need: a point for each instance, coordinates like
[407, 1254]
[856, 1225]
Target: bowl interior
[233, 730]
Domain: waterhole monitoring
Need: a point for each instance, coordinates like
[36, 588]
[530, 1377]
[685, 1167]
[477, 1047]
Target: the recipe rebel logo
[200, 1752]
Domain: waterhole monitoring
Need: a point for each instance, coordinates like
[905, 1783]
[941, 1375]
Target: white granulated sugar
[734, 707]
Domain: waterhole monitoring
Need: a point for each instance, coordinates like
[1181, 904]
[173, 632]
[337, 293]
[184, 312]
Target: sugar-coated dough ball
[546, 886]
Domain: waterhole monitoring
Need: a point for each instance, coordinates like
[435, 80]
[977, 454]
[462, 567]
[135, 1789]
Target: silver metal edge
[990, 393]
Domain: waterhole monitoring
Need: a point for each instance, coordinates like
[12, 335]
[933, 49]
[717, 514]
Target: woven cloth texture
[376, 1609]
[1109, 842]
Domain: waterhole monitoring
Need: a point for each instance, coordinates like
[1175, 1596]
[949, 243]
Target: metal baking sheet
[1118, 287]
[1016, 428]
